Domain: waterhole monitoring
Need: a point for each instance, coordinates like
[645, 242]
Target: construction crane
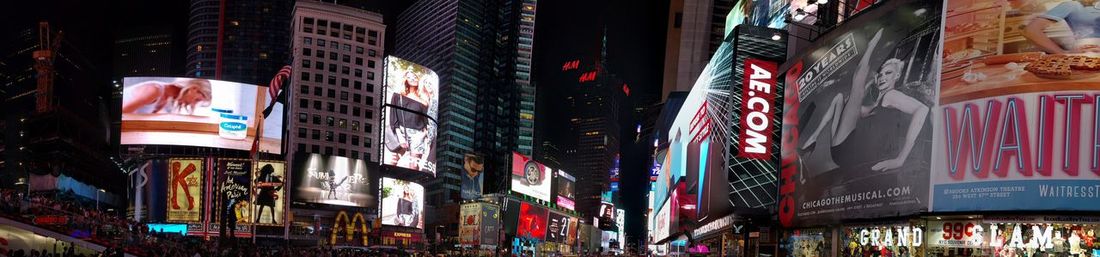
[43, 65]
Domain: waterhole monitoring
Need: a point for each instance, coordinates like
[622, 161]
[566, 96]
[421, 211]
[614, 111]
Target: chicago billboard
[1019, 126]
[857, 139]
[410, 110]
[185, 185]
[197, 112]
[334, 180]
[269, 193]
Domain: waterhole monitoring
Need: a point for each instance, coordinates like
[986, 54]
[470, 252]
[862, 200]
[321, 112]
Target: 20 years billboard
[857, 139]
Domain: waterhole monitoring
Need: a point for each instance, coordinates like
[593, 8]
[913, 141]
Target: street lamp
[97, 198]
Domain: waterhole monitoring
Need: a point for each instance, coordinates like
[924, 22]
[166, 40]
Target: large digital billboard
[185, 181]
[402, 203]
[197, 112]
[1018, 126]
[269, 193]
[857, 139]
[566, 192]
[532, 221]
[558, 228]
[472, 178]
[662, 222]
[490, 224]
[334, 180]
[607, 216]
[530, 177]
[469, 227]
[409, 115]
[234, 191]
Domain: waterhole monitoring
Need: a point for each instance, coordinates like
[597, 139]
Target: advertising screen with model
[410, 110]
[472, 180]
[857, 119]
[197, 112]
[268, 193]
[334, 180]
[402, 203]
[566, 190]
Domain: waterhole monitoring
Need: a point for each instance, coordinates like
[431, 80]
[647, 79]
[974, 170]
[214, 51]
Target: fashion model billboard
[334, 180]
[566, 190]
[185, 180]
[857, 139]
[402, 203]
[472, 178]
[234, 191]
[197, 112]
[269, 192]
[530, 177]
[1018, 124]
[532, 221]
[410, 110]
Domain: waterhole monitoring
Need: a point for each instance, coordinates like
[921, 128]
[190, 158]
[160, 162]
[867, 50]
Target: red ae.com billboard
[756, 110]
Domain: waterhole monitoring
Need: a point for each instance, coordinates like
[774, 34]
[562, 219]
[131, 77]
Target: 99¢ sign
[964, 234]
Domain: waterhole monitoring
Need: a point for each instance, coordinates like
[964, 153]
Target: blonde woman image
[178, 97]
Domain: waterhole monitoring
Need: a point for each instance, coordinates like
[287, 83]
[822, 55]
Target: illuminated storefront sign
[349, 226]
[897, 236]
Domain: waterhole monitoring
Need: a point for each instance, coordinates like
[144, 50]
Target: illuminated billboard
[532, 221]
[857, 139]
[607, 216]
[1018, 114]
[662, 222]
[197, 112]
[234, 190]
[490, 224]
[566, 193]
[334, 180]
[402, 203]
[185, 180]
[472, 178]
[269, 193]
[469, 227]
[409, 115]
[530, 177]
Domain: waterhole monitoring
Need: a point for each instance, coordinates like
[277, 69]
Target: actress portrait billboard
[410, 110]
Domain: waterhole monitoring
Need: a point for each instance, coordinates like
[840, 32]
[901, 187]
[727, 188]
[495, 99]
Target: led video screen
[334, 180]
[566, 190]
[530, 177]
[532, 221]
[198, 112]
[409, 114]
[402, 203]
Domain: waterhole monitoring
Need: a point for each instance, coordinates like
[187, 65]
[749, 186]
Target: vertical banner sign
[267, 193]
[757, 110]
[857, 128]
[234, 191]
[490, 224]
[469, 230]
[185, 190]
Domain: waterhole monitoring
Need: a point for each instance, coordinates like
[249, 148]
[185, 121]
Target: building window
[355, 140]
[320, 65]
[305, 89]
[346, 47]
[359, 49]
[331, 93]
[370, 64]
[303, 117]
[370, 75]
[303, 103]
[344, 95]
[358, 73]
[366, 156]
[318, 78]
[305, 64]
[328, 150]
[321, 42]
[343, 138]
[316, 135]
[316, 149]
[301, 147]
[331, 107]
[317, 91]
[358, 61]
[355, 111]
[346, 58]
[308, 20]
[329, 121]
[344, 82]
[345, 70]
[368, 128]
[370, 87]
[307, 51]
[307, 29]
[301, 132]
[320, 53]
[322, 23]
[366, 142]
[356, 99]
[328, 136]
[305, 75]
[358, 85]
[354, 154]
[354, 125]
[335, 46]
[332, 68]
[369, 114]
[317, 105]
[332, 79]
[307, 41]
[372, 53]
[342, 152]
[343, 123]
[343, 109]
[359, 39]
[333, 56]
[370, 100]
[316, 119]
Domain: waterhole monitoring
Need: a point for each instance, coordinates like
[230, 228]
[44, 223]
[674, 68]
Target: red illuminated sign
[757, 94]
[51, 220]
[626, 89]
[571, 65]
[587, 76]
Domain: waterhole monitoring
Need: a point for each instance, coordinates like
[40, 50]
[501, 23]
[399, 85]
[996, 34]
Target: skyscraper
[239, 41]
[482, 52]
[147, 51]
[695, 30]
[337, 81]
